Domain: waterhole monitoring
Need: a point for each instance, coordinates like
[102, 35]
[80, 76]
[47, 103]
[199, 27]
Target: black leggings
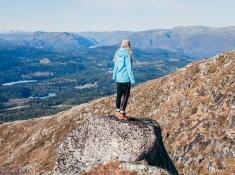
[123, 92]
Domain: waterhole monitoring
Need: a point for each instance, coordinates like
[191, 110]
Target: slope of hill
[195, 107]
[194, 41]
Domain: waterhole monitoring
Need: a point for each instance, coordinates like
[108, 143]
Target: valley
[38, 82]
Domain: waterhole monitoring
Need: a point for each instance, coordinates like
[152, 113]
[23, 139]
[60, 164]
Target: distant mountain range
[58, 41]
[194, 41]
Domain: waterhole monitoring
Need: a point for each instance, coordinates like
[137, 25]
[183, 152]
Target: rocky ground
[195, 107]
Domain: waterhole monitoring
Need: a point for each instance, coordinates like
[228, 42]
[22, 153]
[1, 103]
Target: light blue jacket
[122, 71]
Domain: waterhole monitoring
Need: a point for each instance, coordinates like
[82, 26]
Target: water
[86, 86]
[43, 97]
[19, 82]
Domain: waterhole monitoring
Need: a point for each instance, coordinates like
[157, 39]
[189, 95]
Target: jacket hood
[122, 52]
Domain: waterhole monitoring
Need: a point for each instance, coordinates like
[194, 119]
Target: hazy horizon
[113, 15]
[25, 31]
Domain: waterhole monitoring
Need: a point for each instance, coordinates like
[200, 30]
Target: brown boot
[118, 115]
[123, 116]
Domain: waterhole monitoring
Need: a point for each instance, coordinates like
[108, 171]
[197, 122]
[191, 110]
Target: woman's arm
[129, 68]
[115, 68]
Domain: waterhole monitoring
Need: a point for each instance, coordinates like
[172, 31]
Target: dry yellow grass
[111, 168]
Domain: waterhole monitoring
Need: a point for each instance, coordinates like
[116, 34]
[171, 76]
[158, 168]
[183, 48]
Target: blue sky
[108, 15]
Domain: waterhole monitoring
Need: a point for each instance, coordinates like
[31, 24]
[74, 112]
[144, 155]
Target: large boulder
[100, 140]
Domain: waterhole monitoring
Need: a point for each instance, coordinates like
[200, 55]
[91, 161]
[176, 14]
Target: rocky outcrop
[100, 140]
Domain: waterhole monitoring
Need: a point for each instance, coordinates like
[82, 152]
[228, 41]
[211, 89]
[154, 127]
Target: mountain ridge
[193, 41]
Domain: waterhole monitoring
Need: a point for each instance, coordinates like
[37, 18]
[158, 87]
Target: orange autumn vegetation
[111, 168]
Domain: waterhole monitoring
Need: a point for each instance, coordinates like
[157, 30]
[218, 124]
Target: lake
[44, 97]
[19, 82]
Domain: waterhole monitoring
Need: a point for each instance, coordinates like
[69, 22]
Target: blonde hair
[126, 44]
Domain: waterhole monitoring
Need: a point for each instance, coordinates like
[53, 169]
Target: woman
[123, 75]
